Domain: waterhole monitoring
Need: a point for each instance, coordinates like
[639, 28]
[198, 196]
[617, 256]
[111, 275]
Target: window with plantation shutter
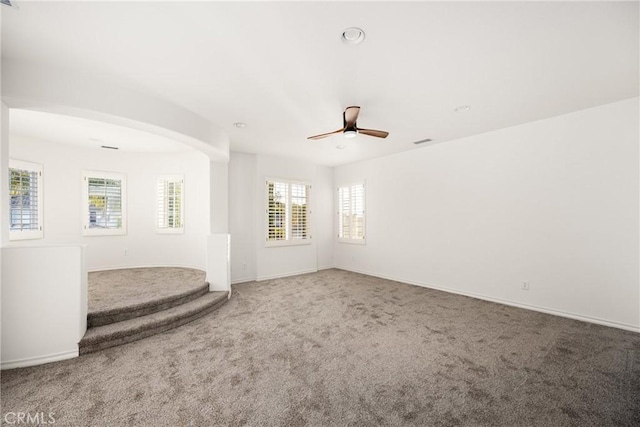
[104, 210]
[170, 204]
[351, 219]
[25, 200]
[288, 212]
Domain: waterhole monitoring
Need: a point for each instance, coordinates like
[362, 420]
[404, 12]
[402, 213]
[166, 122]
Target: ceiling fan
[350, 130]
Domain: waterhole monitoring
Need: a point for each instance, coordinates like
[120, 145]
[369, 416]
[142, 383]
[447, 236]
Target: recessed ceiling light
[462, 108]
[353, 35]
[340, 147]
[240, 125]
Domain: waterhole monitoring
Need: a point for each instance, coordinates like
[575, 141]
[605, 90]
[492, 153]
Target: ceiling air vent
[422, 141]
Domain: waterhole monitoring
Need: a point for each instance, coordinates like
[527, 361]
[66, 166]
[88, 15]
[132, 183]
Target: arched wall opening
[49, 276]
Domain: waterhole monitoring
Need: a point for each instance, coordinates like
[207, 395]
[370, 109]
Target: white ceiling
[87, 133]
[282, 69]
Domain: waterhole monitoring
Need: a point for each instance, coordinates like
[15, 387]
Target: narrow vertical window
[170, 204]
[104, 203]
[25, 200]
[287, 213]
[351, 213]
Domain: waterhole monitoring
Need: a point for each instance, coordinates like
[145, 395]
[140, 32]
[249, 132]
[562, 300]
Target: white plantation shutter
[298, 211]
[104, 203]
[287, 212]
[25, 200]
[351, 213]
[344, 212]
[170, 204]
[357, 212]
[278, 193]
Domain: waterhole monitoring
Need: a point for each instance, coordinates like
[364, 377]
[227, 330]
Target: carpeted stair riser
[126, 313]
[90, 343]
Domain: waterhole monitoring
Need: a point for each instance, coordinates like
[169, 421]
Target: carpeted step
[119, 314]
[101, 337]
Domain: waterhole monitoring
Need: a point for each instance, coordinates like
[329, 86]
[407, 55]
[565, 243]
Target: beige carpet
[112, 289]
[338, 348]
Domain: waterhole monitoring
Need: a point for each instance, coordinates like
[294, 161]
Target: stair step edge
[126, 339]
[170, 298]
[150, 321]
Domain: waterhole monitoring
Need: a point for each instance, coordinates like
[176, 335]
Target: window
[170, 212]
[351, 223]
[288, 213]
[25, 195]
[104, 203]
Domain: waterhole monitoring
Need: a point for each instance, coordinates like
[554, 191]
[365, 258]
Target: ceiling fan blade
[376, 133]
[324, 135]
[350, 116]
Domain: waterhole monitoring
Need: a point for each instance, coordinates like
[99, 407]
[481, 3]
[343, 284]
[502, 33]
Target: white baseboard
[243, 280]
[546, 310]
[124, 267]
[39, 360]
[275, 276]
[293, 273]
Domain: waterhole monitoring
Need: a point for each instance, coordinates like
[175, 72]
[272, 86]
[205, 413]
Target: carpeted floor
[338, 348]
[112, 289]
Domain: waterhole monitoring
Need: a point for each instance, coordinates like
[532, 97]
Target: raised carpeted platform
[130, 304]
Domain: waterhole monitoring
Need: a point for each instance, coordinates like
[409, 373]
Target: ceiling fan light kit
[350, 129]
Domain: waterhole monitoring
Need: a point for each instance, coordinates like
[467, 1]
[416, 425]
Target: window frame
[170, 178]
[351, 239]
[288, 213]
[86, 230]
[36, 168]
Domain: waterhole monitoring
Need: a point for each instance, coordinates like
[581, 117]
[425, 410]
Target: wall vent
[422, 141]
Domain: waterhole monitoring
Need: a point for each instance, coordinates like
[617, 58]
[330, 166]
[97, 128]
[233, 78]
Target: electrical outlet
[244, 265]
[525, 286]
[125, 252]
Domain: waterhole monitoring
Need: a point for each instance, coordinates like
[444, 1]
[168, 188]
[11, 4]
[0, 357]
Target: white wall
[552, 202]
[63, 166]
[250, 258]
[219, 197]
[44, 304]
[4, 171]
[242, 216]
[4, 191]
[324, 214]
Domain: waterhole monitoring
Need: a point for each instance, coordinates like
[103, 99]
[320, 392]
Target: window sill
[353, 241]
[169, 230]
[25, 235]
[282, 243]
[97, 232]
